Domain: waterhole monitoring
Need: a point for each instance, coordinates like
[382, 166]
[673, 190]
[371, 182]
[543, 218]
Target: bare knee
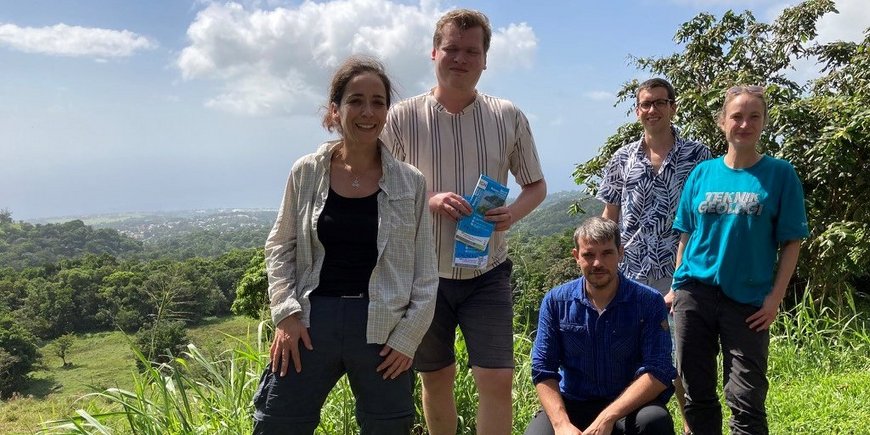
[439, 381]
[493, 382]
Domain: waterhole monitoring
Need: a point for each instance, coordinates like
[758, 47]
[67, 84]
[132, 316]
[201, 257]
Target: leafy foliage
[540, 263]
[62, 345]
[822, 128]
[18, 353]
[160, 342]
[26, 245]
[206, 243]
[100, 292]
[251, 293]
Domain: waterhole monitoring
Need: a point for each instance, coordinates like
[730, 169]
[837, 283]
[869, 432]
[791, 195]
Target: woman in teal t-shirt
[742, 218]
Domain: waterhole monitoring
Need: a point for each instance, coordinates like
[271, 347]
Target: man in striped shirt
[453, 134]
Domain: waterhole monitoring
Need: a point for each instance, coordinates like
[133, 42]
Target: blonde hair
[736, 91]
[464, 19]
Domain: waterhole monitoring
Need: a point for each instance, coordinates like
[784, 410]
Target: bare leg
[439, 406]
[494, 412]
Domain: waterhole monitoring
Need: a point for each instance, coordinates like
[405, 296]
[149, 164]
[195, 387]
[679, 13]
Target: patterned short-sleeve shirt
[648, 202]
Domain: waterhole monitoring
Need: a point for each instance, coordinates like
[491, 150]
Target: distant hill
[183, 234]
[159, 227]
[23, 244]
[552, 215]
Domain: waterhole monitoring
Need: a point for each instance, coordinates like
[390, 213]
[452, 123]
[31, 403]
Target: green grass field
[812, 390]
[100, 361]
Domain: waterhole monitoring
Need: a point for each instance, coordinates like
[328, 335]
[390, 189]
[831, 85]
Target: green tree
[540, 263]
[251, 293]
[826, 135]
[822, 127]
[18, 353]
[62, 345]
[161, 341]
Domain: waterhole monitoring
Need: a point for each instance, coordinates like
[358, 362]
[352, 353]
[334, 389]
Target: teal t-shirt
[736, 219]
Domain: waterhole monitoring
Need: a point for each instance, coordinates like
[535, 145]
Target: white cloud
[64, 40]
[279, 61]
[848, 25]
[600, 96]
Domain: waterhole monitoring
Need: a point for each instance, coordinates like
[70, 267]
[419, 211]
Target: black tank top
[348, 230]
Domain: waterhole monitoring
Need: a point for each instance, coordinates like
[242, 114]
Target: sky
[110, 106]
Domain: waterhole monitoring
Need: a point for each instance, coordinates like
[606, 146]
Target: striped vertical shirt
[491, 136]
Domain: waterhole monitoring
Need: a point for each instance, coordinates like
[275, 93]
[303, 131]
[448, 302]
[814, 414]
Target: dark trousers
[650, 419]
[291, 404]
[704, 317]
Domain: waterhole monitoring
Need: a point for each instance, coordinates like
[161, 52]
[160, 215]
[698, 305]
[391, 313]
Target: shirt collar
[389, 183]
[622, 293]
[678, 142]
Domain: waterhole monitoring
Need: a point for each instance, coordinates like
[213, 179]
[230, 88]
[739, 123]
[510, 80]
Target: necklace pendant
[355, 183]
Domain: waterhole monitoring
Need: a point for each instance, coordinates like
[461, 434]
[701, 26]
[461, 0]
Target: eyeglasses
[660, 104]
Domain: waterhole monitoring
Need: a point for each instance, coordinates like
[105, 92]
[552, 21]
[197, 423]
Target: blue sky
[113, 106]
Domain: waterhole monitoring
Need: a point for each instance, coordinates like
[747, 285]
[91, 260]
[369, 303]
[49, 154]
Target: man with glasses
[641, 187]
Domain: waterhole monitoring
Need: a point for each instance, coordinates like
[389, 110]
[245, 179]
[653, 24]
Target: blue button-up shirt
[597, 356]
[648, 202]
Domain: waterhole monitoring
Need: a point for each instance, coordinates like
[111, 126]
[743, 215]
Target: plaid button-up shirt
[404, 281]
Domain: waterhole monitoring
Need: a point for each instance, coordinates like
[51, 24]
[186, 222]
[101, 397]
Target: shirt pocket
[576, 347]
[402, 230]
[624, 346]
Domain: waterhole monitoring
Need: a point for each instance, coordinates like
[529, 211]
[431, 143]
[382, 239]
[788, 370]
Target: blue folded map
[471, 248]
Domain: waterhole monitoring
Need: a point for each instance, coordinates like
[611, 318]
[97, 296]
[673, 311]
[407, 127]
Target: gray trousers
[704, 317]
[291, 404]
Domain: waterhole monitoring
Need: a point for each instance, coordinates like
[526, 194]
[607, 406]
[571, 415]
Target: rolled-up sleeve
[656, 343]
[280, 253]
[411, 328]
[547, 348]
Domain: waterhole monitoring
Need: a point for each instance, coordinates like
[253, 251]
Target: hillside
[24, 244]
[185, 234]
[154, 227]
[553, 216]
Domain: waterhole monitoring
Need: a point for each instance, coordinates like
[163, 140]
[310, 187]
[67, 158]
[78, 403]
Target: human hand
[567, 429]
[450, 205]
[600, 426]
[669, 300]
[285, 346]
[395, 363]
[501, 216]
[764, 317]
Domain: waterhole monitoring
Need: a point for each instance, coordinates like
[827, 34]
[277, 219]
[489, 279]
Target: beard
[600, 280]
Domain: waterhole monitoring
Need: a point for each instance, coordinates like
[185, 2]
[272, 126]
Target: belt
[358, 296]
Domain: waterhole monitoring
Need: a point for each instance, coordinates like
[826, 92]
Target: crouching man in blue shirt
[601, 362]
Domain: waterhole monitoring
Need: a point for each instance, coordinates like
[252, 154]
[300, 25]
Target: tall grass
[198, 394]
[819, 373]
[814, 335]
